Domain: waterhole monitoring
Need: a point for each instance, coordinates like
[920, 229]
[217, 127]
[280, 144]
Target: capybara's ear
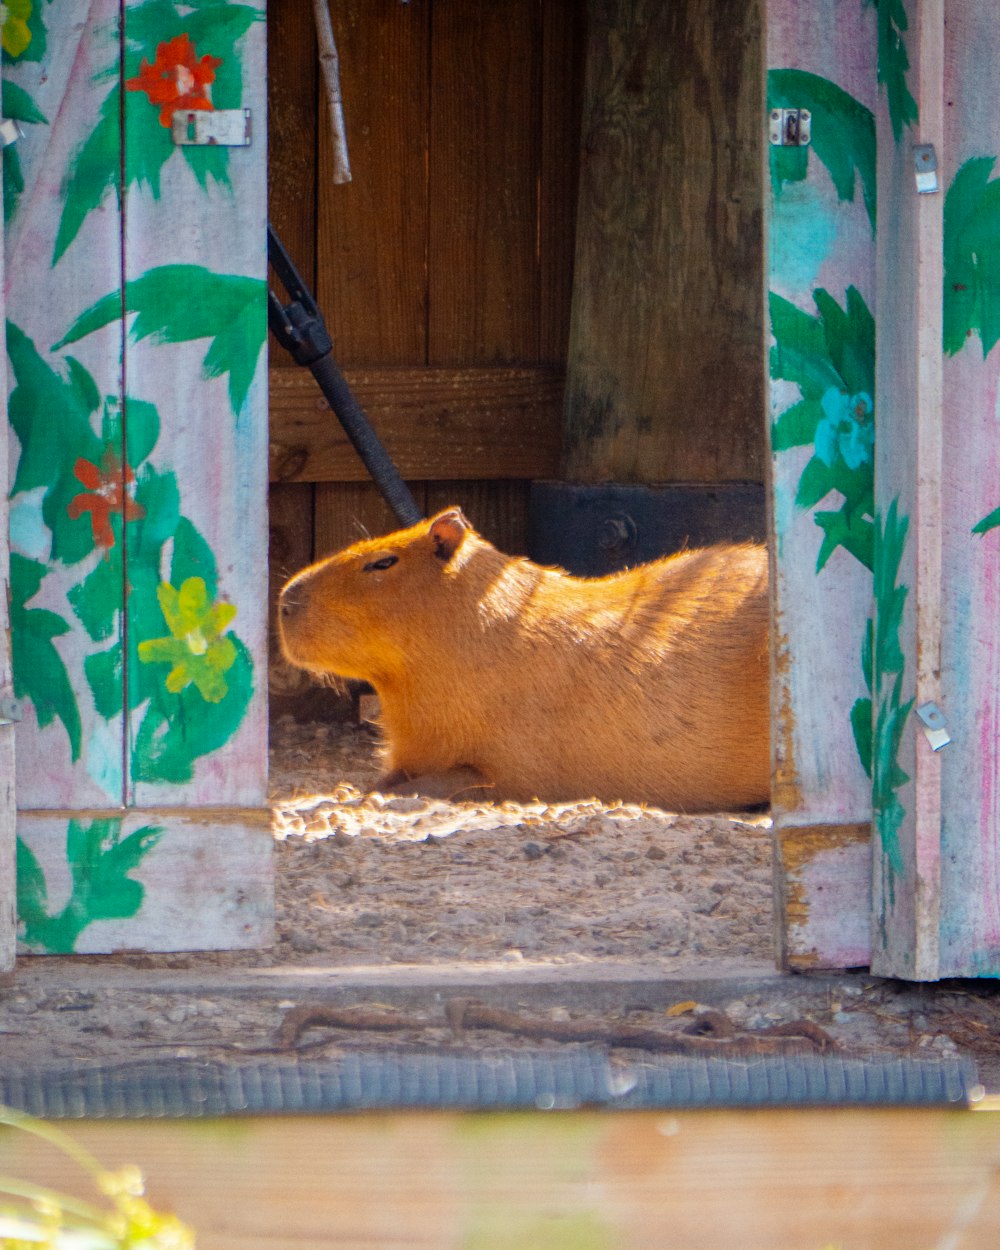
[447, 530]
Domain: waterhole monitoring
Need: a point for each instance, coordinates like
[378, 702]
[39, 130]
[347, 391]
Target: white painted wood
[8, 870]
[819, 237]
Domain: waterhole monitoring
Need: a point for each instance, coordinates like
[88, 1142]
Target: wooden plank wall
[444, 268]
[821, 278]
[664, 378]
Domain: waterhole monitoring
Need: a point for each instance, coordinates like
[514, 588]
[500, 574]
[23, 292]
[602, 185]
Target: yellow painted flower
[15, 34]
[196, 648]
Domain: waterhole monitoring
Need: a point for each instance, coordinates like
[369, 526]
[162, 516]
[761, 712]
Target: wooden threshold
[436, 423]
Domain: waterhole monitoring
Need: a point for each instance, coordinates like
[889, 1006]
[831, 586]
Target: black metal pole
[299, 327]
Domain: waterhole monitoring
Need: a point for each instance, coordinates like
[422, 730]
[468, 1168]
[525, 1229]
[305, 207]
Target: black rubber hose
[365, 441]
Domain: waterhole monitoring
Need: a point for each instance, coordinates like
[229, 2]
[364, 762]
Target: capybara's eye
[385, 563]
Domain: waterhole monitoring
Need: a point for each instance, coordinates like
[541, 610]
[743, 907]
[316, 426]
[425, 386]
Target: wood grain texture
[372, 232]
[346, 512]
[482, 256]
[664, 373]
[42, 300]
[907, 866]
[866, 1179]
[970, 586]
[435, 423]
[816, 241]
[822, 911]
[563, 36]
[292, 149]
[220, 230]
[290, 526]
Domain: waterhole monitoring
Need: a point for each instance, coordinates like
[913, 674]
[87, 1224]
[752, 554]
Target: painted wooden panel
[937, 638]
[906, 630]
[67, 496]
[8, 810]
[820, 264]
[138, 472]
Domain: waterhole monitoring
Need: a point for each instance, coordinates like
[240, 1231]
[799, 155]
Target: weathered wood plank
[907, 627]
[195, 262]
[292, 137]
[563, 45]
[664, 369]
[435, 423]
[167, 880]
[372, 231]
[970, 495]
[822, 912]
[482, 257]
[67, 445]
[865, 1179]
[820, 275]
[349, 511]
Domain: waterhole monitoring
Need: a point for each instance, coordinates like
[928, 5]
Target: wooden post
[820, 254]
[138, 481]
[663, 375]
[937, 813]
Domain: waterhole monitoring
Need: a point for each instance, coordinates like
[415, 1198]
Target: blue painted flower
[847, 429]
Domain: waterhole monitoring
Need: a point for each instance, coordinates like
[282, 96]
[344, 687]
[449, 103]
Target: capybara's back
[649, 685]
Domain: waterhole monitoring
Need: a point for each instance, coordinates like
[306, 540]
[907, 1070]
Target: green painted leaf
[843, 134]
[181, 303]
[972, 257]
[178, 729]
[861, 727]
[97, 600]
[105, 676]
[94, 169]
[848, 530]
[800, 353]
[39, 672]
[796, 427]
[814, 484]
[991, 521]
[893, 64]
[18, 104]
[100, 861]
[850, 339]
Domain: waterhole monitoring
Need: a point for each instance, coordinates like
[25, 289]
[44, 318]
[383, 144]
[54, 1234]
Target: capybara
[649, 685]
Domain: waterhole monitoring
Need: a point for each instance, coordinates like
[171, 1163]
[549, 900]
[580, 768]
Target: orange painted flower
[177, 79]
[106, 493]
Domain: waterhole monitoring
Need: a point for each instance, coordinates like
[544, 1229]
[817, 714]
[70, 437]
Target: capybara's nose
[289, 600]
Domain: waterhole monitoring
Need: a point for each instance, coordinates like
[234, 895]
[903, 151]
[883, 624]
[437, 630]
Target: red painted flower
[107, 492]
[177, 79]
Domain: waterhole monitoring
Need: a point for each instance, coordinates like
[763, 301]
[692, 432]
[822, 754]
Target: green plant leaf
[181, 303]
[796, 427]
[861, 727]
[105, 676]
[94, 169]
[814, 484]
[39, 672]
[972, 257]
[843, 134]
[893, 64]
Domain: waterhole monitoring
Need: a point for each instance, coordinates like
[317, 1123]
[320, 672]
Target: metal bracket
[228, 128]
[925, 165]
[10, 132]
[790, 128]
[935, 726]
[10, 709]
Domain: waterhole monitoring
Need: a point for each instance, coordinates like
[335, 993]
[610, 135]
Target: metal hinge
[790, 128]
[228, 128]
[935, 725]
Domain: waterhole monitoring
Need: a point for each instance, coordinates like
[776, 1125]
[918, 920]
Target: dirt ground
[580, 923]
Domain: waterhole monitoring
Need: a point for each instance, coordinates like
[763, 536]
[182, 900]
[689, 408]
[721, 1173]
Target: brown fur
[649, 685]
